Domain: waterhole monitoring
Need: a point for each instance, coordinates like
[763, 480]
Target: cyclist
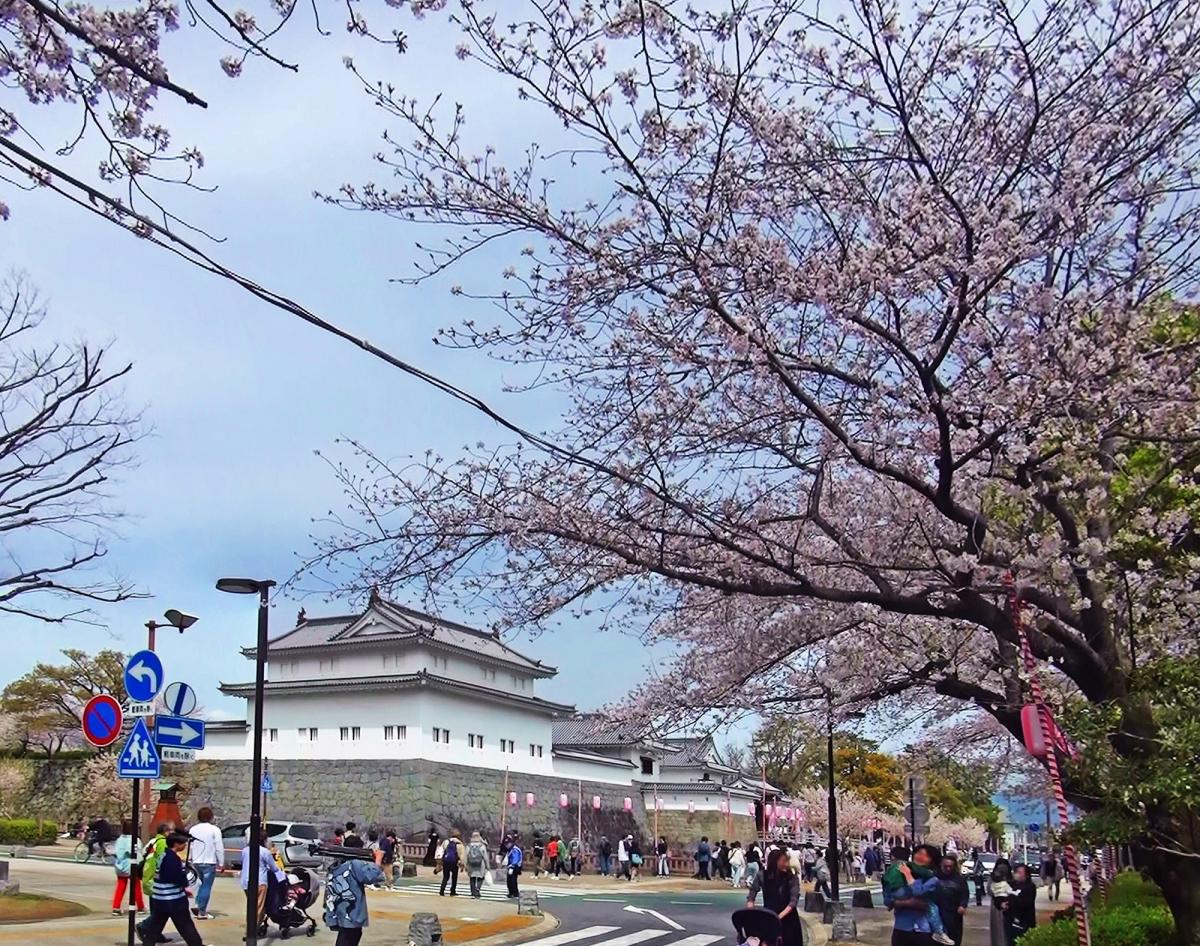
[100, 833]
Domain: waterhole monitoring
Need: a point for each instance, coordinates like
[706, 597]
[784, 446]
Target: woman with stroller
[780, 888]
[346, 899]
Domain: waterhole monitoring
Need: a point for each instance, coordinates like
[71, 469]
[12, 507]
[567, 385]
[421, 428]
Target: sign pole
[504, 806]
[135, 864]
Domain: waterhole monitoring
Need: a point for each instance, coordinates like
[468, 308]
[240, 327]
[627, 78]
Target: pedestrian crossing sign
[139, 758]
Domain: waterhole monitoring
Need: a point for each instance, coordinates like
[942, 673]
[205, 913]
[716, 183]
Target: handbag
[636, 859]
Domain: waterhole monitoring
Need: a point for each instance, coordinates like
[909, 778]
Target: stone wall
[410, 795]
[684, 830]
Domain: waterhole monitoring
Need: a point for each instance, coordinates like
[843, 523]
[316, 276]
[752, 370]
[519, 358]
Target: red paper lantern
[628, 803]
[512, 798]
[529, 799]
[596, 802]
[691, 807]
[770, 811]
[750, 809]
[562, 800]
[724, 807]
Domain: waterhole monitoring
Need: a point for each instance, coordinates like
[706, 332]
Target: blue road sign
[1035, 828]
[267, 784]
[179, 732]
[138, 758]
[179, 699]
[143, 676]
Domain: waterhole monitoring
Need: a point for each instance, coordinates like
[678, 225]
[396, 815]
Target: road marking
[559, 939]
[701, 939]
[600, 900]
[630, 939]
[654, 913]
[693, 903]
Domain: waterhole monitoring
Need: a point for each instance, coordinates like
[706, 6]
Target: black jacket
[1022, 907]
[951, 893]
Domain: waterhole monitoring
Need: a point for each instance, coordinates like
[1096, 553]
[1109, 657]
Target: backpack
[450, 855]
[476, 856]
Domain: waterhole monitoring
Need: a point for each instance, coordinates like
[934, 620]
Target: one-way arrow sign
[179, 732]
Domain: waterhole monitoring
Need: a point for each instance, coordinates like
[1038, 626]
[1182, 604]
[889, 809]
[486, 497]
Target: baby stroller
[755, 927]
[288, 903]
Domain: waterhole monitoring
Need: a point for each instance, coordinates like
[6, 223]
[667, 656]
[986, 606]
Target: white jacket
[622, 851]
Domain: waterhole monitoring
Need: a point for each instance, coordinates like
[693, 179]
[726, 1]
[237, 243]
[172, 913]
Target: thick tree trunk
[1179, 878]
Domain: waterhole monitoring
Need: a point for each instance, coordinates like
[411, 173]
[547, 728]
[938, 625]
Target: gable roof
[385, 622]
[587, 730]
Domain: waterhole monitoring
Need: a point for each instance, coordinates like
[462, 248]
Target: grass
[30, 908]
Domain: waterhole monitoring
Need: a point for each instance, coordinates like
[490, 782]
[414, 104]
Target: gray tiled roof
[398, 623]
[590, 729]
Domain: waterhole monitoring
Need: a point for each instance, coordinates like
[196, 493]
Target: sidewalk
[464, 920]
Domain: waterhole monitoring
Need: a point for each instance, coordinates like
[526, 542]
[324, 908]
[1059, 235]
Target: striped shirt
[170, 880]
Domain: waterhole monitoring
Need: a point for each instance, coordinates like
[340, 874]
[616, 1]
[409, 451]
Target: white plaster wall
[678, 801]
[397, 659]
[591, 771]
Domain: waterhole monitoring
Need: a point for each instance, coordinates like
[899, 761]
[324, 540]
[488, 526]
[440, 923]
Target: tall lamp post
[262, 588]
[832, 856]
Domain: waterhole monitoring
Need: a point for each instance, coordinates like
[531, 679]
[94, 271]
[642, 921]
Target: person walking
[662, 852]
[477, 861]
[430, 858]
[780, 889]
[723, 860]
[537, 850]
[266, 865]
[703, 858]
[911, 900]
[822, 874]
[388, 847]
[574, 859]
[871, 862]
[450, 860]
[952, 897]
[208, 857]
[351, 838]
[122, 864]
[999, 889]
[635, 858]
[1020, 909]
[514, 861]
[623, 857]
[346, 899]
[553, 865]
[1052, 874]
[753, 863]
[169, 896]
[606, 854]
[737, 864]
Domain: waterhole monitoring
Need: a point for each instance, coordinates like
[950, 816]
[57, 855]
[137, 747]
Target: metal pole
[260, 665]
[504, 805]
[146, 814]
[135, 864]
[831, 855]
[579, 824]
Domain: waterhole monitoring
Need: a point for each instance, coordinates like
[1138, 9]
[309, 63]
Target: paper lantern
[791, 814]
[691, 807]
[529, 799]
[724, 807]
[751, 810]
[658, 804]
[512, 798]
[562, 800]
[595, 802]
[628, 803]
[770, 811]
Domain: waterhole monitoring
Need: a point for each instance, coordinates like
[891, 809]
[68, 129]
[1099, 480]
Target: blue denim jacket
[906, 918]
[345, 898]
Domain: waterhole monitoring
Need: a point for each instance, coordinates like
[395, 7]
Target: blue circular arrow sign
[143, 676]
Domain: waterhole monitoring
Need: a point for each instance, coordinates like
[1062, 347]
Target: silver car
[291, 839]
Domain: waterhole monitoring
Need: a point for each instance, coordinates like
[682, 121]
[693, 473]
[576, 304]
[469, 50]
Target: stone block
[408, 870]
[425, 929]
[3, 871]
[9, 888]
[527, 904]
[845, 930]
[19, 852]
[863, 899]
[833, 909]
[814, 902]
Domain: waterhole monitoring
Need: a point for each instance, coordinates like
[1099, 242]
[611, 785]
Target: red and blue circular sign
[102, 718]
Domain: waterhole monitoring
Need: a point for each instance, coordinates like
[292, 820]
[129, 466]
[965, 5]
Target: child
[169, 896]
[897, 885]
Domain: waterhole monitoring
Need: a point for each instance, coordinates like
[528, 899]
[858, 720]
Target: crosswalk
[630, 938]
[464, 890]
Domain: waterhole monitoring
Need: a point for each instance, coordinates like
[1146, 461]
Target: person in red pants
[123, 853]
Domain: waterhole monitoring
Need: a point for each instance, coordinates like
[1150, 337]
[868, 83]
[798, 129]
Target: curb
[548, 922]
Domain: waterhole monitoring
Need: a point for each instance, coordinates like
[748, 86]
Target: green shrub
[1111, 926]
[1130, 889]
[27, 831]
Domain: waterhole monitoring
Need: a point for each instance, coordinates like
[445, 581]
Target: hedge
[27, 831]
[1135, 915]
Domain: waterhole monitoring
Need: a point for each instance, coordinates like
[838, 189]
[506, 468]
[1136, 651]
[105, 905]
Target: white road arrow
[186, 733]
[654, 913]
[139, 671]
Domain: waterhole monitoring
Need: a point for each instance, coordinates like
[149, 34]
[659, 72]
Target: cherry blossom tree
[850, 316]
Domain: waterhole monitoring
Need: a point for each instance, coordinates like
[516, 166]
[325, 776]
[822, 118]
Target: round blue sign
[143, 676]
[1035, 828]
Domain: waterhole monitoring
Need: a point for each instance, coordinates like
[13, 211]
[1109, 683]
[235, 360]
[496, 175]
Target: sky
[239, 396]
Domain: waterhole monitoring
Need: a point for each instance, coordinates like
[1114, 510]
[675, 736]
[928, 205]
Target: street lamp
[832, 857]
[262, 588]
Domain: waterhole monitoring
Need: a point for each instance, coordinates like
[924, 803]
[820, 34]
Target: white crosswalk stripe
[631, 939]
[701, 939]
[561, 939]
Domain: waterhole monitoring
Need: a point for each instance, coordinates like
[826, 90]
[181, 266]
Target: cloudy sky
[240, 396]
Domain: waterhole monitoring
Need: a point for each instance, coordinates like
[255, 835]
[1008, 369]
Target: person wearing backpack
[122, 856]
[477, 861]
[152, 850]
[453, 854]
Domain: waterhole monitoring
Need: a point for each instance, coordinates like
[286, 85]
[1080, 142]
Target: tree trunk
[1179, 878]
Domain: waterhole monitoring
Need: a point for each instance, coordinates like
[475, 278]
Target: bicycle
[84, 852]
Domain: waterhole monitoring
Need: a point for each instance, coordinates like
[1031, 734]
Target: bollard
[408, 870]
[863, 898]
[425, 929]
[527, 904]
[833, 909]
[814, 903]
[845, 930]
[7, 886]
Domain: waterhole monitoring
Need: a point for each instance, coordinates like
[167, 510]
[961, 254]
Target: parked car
[988, 859]
[291, 838]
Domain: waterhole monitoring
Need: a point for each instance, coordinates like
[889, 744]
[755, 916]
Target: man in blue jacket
[346, 899]
[514, 862]
[168, 896]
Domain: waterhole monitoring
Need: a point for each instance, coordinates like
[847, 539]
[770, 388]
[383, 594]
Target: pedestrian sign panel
[138, 758]
[267, 784]
[179, 699]
[143, 676]
[179, 732]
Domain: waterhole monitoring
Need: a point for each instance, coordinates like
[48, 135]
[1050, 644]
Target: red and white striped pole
[1060, 798]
